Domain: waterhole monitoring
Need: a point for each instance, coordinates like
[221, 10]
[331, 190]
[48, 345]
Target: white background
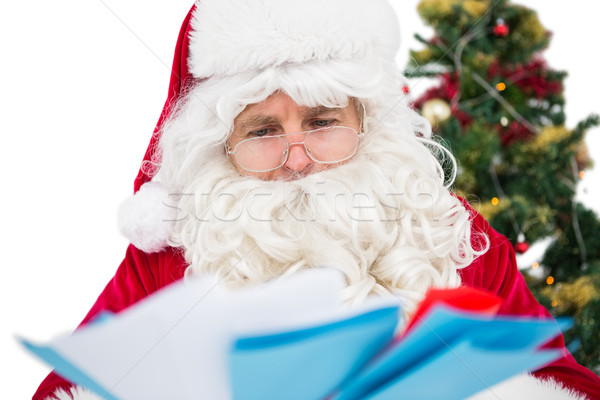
[83, 83]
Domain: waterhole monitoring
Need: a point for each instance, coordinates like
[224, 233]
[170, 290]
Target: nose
[298, 161]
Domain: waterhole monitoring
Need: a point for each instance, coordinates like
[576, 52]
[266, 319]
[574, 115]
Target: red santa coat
[141, 274]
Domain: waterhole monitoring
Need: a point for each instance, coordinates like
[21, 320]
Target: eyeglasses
[327, 145]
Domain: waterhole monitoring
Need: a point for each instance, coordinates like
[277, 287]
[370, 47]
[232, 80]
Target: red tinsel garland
[532, 78]
[514, 132]
[447, 89]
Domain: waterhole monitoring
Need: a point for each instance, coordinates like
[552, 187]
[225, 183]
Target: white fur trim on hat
[75, 393]
[528, 387]
[146, 219]
[230, 37]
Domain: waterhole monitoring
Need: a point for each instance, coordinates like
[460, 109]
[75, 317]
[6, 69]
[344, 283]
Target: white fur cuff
[528, 387]
[146, 219]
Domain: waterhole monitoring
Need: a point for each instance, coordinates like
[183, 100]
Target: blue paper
[175, 343]
[67, 370]
[184, 343]
[444, 328]
[102, 317]
[462, 371]
[311, 363]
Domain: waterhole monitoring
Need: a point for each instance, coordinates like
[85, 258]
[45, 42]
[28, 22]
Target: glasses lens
[261, 154]
[331, 145]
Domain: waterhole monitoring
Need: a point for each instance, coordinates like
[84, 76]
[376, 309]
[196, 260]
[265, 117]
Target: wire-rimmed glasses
[328, 145]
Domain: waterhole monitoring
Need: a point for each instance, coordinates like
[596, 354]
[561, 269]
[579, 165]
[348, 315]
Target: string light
[581, 174]
[500, 86]
[495, 201]
[535, 265]
[550, 280]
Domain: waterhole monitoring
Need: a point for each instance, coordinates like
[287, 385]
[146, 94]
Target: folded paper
[294, 338]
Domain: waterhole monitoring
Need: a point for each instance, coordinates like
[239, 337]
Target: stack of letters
[295, 339]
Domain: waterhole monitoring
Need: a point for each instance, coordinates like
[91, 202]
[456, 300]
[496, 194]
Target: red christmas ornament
[521, 247]
[501, 30]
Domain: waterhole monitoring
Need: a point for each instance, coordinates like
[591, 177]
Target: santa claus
[287, 143]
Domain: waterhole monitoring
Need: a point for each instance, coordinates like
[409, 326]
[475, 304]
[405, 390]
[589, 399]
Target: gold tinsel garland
[431, 10]
[548, 136]
[531, 27]
[572, 296]
[476, 8]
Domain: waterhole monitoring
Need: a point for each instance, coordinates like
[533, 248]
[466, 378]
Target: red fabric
[141, 274]
[180, 77]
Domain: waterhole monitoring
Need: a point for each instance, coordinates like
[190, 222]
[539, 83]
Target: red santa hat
[224, 37]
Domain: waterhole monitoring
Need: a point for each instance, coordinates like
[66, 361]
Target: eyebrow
[316, 111]
[253, 121]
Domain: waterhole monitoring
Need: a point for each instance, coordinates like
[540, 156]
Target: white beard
[387, 226]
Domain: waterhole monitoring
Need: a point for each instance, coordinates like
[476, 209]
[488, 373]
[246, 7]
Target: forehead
[280, 105]
[279, 100]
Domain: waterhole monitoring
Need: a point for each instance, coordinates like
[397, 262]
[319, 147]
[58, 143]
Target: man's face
[278, 115]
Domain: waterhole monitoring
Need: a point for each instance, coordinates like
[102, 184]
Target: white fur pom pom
[527, 387]
[75, 393]
[146, 219]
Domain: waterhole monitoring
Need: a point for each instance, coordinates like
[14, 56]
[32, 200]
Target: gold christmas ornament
[436, 111]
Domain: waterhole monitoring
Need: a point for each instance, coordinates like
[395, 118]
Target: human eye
[322, 123]
[259, 132]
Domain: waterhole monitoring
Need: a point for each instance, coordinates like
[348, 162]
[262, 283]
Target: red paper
[462, 298]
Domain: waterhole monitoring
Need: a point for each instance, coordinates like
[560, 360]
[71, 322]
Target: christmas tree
[499, 107]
